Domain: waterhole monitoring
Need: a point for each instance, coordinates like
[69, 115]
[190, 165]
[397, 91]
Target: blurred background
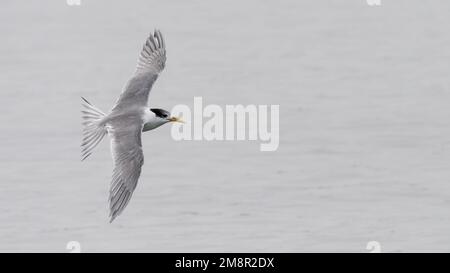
[364, 126]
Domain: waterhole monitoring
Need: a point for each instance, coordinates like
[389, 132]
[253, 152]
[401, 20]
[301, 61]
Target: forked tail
[93, 130]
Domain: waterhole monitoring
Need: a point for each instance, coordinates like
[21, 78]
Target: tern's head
[161, 117]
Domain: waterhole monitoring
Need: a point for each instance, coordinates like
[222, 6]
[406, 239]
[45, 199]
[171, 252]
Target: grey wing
[126, 149]
[151, 62]
[153, 55]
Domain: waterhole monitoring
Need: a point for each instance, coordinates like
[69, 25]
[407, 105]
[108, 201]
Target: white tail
[93, 130]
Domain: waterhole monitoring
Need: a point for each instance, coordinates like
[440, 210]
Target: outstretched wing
[151, 62]
[128, 158]
[153, 55]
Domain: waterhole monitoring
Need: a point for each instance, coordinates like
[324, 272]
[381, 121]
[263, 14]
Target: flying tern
[129, 117]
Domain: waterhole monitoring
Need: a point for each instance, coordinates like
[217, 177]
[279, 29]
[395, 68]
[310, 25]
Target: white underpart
[151, 121]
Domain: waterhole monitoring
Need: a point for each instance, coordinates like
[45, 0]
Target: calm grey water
[364, 126]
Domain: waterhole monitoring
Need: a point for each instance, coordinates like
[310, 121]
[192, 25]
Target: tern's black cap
[160, 112]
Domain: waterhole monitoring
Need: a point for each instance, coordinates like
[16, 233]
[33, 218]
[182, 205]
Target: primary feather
[151, 62]
[128, 158]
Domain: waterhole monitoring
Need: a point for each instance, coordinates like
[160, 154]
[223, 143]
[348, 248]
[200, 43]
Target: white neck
[151, 121]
